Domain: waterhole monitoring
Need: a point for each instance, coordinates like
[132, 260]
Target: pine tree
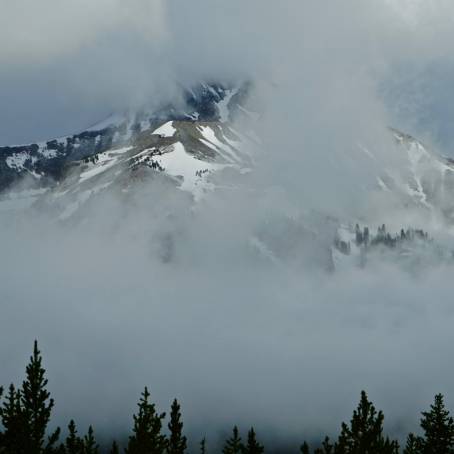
[90, 446]
[304, 448]
[203, 446]
[177, 442]
[366, 236]
[1, 432]
[413, 445]
[147, 437]
[37, 406]
[252, 446]
[114, 449]
[233, 445]
[327, 447]
[438, 429]
[358, 235]
[73, 444]
[14, 437]
[364, 435]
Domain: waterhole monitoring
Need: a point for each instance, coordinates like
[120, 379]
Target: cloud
[64, 67]
[33, 34]
[238, 339]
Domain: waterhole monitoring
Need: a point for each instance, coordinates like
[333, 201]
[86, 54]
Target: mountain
[186, 144]
[49, 160]
[425, 179]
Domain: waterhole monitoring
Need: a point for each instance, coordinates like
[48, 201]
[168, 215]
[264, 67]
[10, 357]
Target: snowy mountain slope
[430, 177]
[46, 161]
[192, 139]
[185, 145]
[186, 153]
[181, 151]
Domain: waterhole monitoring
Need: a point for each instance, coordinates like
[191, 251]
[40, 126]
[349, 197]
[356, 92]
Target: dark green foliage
[364, 435]
[413, 445]
[366, 236]
[1, 433]
[147, 437]
[114, 449]
[384, 238]
[177, 441]
[233, 445]
[73, 443]
[438, 429]
[358, 235]
[15, 434]
[327, 447]
[90, 446]
[37, 406]
[25, 415]
[203, 446]
[252, 446]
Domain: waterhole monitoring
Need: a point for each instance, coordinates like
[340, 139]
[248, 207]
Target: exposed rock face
[49, 161]
[184, 147]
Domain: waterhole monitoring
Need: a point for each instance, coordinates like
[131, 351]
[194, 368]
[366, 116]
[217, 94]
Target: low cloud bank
[156, 292]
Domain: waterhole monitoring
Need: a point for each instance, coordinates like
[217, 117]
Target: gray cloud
[238, 340]
[285, 347]
[65, 67]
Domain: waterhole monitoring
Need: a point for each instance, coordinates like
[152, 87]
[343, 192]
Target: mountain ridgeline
[48, 162]
[211, 132]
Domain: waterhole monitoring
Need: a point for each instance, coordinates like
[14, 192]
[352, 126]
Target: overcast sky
[66, 65]
[277, 346]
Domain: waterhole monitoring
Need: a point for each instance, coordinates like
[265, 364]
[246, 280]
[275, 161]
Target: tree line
[366, 240]
[25, 414]
[383, 237]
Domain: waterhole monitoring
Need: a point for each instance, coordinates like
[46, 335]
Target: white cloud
[35, 32]
[106, 309]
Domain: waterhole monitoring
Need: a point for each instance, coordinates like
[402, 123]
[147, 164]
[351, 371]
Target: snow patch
[224, 103]
[210, 140]
[105, 161]
[166, 130]
[17, 160]
[178, 163]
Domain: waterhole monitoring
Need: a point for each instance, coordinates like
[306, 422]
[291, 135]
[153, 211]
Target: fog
[149, 289]
[64, 67]
[239, 340]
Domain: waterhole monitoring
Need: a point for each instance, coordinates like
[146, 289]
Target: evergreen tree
[73, 444]
[304, 448]
[233, 445]
[203, 446]
[366, 236]
[364, 435]
[177, 442]
[114, 449]
[413, 445]
[252, 446]
[37, 406]
[90, 446]
[438, 429]
[358, 235]
[327, 447]
[14, 437]
[147, 437]
[402, 235]
[1, 432]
